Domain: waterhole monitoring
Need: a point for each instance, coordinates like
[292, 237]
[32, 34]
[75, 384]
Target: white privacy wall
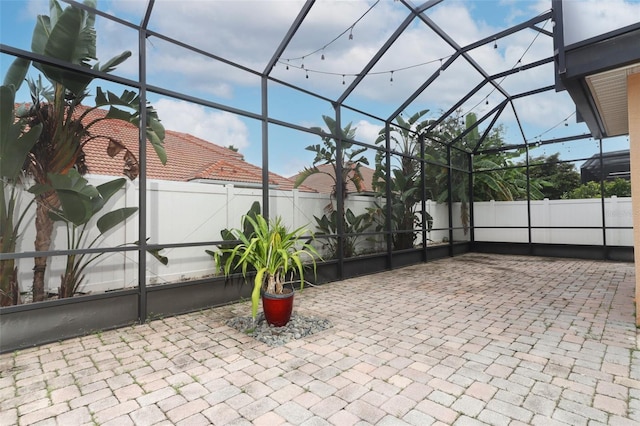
[555, 213]
[189, 212]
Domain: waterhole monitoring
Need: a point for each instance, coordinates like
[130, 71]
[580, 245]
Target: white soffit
[609, 90]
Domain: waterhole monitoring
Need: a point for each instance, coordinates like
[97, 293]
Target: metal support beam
[469, 129]
[339, 191]
[489, 127]
[602, 203]
[443, 34]
[265, 146]
[423, 198]
[472, 232]
[450, 197]
[529, 224]
[376, 58]
[142, 157]
[388, 195]
[288, 36]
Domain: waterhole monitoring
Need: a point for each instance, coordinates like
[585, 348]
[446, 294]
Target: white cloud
[367, 132]
[243, 31]
[588, 18]
[221, 128]
[291, 166]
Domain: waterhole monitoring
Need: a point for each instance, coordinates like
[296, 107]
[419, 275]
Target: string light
[302, 67]
[516, 65]
[553, 127]
[439, 72]
[348, 29]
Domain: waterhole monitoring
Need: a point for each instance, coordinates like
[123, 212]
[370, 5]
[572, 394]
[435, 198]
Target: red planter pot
[278, 307]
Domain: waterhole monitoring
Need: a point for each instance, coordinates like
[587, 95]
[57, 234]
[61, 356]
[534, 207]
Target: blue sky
[248, 32]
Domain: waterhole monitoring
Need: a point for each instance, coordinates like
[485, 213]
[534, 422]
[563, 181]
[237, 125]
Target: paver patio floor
[476, 339]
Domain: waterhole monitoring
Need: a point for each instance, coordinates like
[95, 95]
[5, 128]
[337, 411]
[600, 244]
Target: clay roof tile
[188, 157]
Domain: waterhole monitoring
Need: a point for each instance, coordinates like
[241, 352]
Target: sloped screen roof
[381, 58]
[371, 58]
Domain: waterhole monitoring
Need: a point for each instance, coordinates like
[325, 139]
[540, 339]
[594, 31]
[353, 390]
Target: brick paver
[476, 339]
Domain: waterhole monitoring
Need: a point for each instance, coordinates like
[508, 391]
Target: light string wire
[286, 61]
[349, 28]
[517, 64]
[553, 127]
[392, 71]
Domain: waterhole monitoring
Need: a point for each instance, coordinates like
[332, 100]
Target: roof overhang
[609, 92]
[594, 72]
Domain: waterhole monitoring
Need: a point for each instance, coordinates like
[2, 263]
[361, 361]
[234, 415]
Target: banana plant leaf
[114, 218]
[67, 40]
[155, 130]
[14, 143]
[79, 200]
[16, 73]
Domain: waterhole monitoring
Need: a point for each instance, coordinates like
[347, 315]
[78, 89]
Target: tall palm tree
[69, 35]
[16, 139]
[405, 180]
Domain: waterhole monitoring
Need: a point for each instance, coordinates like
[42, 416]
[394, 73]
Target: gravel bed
[298, 327]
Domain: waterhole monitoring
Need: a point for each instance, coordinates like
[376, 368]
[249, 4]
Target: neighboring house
[188, 158]
[323, 182]
[615, 165]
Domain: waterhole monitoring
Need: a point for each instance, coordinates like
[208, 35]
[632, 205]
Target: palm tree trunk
[44, 229]
[464, 216]
[9, 294]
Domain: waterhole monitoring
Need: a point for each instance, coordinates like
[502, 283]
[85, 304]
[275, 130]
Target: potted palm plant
[272, 251]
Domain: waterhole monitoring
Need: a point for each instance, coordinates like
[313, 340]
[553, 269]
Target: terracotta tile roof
[323, 183]
[188, 157]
